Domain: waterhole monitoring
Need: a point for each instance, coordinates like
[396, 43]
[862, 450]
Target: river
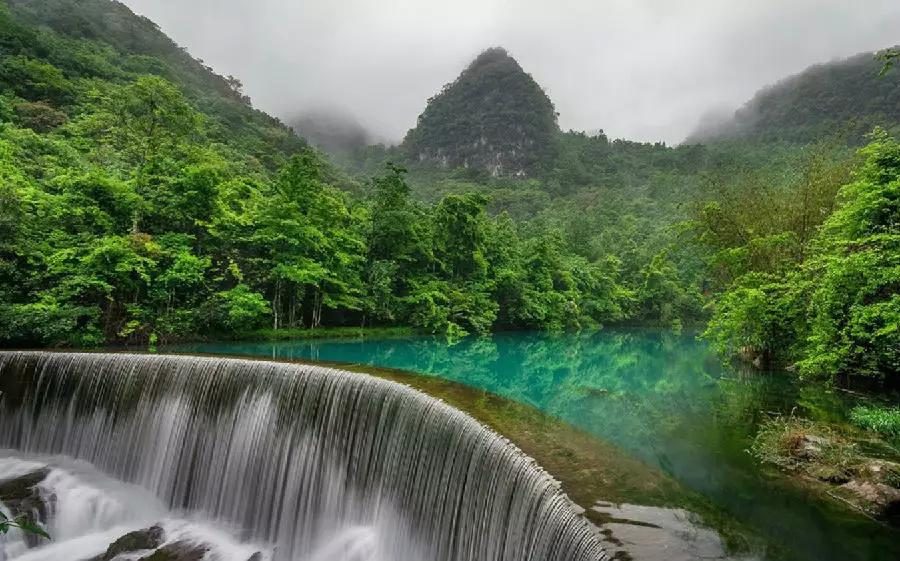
[659, 396]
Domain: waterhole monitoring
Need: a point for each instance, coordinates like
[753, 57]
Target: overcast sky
[639, 69]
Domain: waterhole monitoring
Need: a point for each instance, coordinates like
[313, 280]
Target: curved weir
[315, 464]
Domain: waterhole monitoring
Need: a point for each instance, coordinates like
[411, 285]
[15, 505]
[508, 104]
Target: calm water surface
[662, 397]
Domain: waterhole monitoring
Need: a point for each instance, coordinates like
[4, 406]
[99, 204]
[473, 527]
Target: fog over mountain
[641, 69]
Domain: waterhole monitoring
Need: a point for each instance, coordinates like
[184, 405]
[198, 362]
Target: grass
[324, 333]
[883, 420]
[802, 446]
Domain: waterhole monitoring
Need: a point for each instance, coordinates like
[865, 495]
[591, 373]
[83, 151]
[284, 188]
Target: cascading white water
[315, 464]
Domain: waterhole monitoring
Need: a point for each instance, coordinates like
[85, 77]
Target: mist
[639, 69]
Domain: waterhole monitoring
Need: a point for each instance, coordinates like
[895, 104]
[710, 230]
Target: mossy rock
[23, 499]
[149, 538]
[21, 488]
[178, 551]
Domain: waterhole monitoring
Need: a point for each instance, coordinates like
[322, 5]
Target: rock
[646, 533]
[258, 556]
[19, 490]
[810, 446]
[881, 471]
[178, 551]
[149, 538]
[23, 499]
[883, 500]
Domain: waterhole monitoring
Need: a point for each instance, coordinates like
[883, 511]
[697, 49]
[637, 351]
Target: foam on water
[299, 462]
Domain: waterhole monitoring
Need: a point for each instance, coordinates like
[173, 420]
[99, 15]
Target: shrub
[883, 420]
[802, 446]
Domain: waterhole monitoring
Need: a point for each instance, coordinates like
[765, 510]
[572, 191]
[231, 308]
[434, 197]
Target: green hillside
[143, 199]
[493, 117]
[845, 98]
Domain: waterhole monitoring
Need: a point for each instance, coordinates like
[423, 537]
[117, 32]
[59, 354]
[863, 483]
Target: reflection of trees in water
[660, 395]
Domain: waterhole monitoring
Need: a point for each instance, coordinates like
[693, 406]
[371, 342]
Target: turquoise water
[662, 397]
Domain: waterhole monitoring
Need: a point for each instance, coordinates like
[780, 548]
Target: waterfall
[314, 463]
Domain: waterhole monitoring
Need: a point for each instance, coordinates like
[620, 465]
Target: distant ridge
[847, 98]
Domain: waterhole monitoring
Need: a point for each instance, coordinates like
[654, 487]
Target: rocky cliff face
[494, 117]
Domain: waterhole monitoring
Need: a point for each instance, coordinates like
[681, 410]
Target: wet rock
[258, 556]
[178, 551]
[882, 500]
[646, 533]
[21, 490]
[149, 538]
[23, 499]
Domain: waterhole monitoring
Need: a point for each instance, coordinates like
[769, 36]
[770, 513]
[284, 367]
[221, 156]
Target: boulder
[883, 500]
[178, 551]
[148, 538]
[810, 446]
[881, 471]
[23, 499]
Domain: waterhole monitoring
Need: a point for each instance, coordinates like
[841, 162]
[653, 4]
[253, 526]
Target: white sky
[639, 69]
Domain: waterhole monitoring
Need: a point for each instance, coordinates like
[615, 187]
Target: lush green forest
[847, 97]
[494, 117]
[142, 198]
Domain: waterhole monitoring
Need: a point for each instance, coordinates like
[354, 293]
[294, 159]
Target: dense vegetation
[493, 118]
[824, 296]
[849, 97]
[142, 198]
[140, 201]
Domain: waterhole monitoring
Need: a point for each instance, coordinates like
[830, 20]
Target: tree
[855, 302]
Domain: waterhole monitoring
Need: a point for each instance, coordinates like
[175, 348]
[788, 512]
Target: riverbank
[856, 467]
[295, 334]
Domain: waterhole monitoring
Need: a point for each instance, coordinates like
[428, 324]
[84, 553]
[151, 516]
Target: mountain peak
[494, 116]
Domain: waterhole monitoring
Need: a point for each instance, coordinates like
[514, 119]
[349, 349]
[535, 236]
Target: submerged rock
[149, 538]
[178, 551]
[646, 533]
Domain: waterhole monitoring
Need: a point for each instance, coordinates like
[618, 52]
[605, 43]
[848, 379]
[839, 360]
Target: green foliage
[22, 523]
[827, 295]
[855, 304]
[813, 449]
[883, 420]
[888, 58]
[142, 198]
[143, 202]
[493, 119]
[847, 97]
[760, 317]
[240, 308]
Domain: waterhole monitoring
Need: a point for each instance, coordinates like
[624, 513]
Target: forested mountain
[845, 98]
[493, 117]
[142, 198]
[99, 32]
